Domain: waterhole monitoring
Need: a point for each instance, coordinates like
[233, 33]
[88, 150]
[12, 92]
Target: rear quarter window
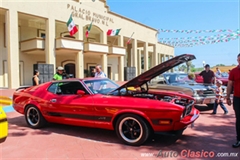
[53, 88]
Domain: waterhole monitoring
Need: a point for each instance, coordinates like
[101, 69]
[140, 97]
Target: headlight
[195, 94]
[198, 92]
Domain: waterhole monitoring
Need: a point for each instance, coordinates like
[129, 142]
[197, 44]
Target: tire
[34, 117]
[132, 129]
[210, 106]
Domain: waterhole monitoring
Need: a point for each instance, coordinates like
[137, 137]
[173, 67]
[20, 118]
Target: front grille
[188, 110]
[208, 92]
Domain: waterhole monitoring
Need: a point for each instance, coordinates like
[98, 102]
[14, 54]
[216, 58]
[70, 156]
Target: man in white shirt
[99, 74]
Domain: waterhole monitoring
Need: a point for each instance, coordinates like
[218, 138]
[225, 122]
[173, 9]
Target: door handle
[53, 100]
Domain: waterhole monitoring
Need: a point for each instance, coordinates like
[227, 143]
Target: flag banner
[188, 43]
[199, 37]
[199, 31]
[72, 28]
[129, 40]
[113, 32]
[88, 30]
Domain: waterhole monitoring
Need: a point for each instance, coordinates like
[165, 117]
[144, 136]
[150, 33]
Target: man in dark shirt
[208, 75]
[234, 81]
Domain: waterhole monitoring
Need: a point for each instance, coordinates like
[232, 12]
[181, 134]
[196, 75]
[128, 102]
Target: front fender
[131, 111]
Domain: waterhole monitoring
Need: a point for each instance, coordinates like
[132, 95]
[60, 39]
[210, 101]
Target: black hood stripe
[79, 116]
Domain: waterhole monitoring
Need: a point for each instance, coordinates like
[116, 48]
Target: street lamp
[203, 62]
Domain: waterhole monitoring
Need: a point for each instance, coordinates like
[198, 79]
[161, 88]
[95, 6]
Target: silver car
[202, 93]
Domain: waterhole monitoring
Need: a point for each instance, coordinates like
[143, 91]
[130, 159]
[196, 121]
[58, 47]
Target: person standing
[65, 75]
[218, 72]
[219, 98]
[59, 74]
[208, 75]
[99, 73]
[35, 79]
[234, 81]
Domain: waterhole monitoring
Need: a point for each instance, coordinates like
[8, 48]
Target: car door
[66, 106]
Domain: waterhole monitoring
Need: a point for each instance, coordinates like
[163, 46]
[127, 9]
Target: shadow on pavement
[216, 134]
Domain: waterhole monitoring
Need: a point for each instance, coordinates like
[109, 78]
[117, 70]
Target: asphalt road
[210, 138]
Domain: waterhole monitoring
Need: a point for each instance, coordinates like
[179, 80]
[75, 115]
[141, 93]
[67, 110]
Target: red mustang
[132, 110]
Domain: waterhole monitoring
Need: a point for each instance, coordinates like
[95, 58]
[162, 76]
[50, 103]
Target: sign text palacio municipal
[89, 15]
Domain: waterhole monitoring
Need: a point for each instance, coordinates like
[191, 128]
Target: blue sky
[188, 15]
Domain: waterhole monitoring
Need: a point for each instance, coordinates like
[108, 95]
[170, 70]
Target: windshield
[101, 86]
[177, 78]
[223, 75]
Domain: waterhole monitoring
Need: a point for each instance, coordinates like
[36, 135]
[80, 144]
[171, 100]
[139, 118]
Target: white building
[34, 32]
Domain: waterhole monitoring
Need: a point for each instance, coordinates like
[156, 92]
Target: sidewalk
[6, 92]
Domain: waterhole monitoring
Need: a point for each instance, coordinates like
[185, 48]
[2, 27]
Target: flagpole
[87, 29]
[130, 38]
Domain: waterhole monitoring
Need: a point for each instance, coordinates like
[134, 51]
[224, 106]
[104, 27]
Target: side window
[70, 88]
[53, 88]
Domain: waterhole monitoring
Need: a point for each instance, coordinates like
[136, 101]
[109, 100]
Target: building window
[41, 33]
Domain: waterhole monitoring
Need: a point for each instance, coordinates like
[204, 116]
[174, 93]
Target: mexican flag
[88, 30]
[71, 26]
[113, 32]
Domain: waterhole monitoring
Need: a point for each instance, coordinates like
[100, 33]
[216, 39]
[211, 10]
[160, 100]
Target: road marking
[8, 108]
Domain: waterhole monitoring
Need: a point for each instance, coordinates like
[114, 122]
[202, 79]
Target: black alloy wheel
[132, 129]
[34, 117]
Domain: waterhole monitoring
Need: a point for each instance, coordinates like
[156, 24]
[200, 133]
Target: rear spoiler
[23, 87]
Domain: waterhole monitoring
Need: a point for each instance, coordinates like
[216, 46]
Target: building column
[79, 66]
[79, 60]
[121, 68]
[104, 38]
[172, 70]
[163, 58]
[120, 41]
[135, 54]
[145, 46]
[129, 55]
[139, 62]
[80, 33]
[155, 57]
[104, 63]
[11, 19]
[121, 62]
[159, 58]
[166, 57]
[50, 55]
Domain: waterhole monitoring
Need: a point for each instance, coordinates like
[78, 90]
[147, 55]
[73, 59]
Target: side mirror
[80, 92]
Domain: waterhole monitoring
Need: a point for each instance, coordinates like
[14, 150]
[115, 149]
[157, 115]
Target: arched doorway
[95, 35]
[70, 69]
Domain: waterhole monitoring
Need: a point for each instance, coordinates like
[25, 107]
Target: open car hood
[157, 70]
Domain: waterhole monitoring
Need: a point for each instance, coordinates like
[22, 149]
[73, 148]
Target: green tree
[220, 65]
[182, 68]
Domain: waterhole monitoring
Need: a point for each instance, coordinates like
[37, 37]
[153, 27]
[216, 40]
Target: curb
[5, 100]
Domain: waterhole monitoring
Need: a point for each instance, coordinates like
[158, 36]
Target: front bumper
[205, 100]
[189, 119]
